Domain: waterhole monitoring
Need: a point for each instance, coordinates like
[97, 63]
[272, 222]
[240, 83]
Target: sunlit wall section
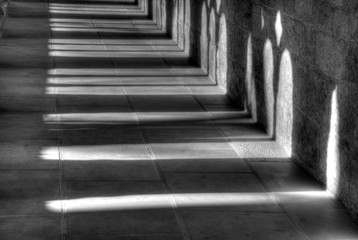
[204, 38]
[181, 23]
[153, 11]
[332, 172]
[250, 86]
[212, 45]
[174, 19]
[163, 14]
[284, 108]
[222, 55]
[268, 78]
[188, 35]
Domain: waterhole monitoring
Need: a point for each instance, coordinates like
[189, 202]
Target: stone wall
[210, 37]
[305, 62]
[293, 64]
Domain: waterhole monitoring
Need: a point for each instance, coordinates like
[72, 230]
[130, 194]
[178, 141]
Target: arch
[278, 28]
[284, 115]
[218, 5]
[204, 39]
[212, 45]
[222, 61]
[269, 87]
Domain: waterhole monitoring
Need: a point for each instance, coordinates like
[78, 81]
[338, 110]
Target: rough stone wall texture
[293, 64]
[314, 85]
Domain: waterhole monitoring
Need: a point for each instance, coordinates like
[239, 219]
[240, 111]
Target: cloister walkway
[108, 131]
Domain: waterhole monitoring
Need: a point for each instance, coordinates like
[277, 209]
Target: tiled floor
[104, 137]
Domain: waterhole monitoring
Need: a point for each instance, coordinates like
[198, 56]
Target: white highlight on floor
[155, 201]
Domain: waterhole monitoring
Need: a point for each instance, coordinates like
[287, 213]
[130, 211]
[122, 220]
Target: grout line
[161, 174]
[291, 219]
[175, 206]
[63, 225]
[60, 165]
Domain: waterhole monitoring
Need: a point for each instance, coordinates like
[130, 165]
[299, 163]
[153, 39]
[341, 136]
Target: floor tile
[30, 228]
[22, 126]
[27, 104]
[259, 149]
[104, 170]
[193, 151]
[315, 212]
[26, 154]
[25, 82]
[101, 134]
[155, 91]
[130, 237]
[184, 134]
[220, 191]
[25, 192]
[143, 222]
[93, 100]
[114, 162]
[164, 103]
[235, 225]
[179, 118]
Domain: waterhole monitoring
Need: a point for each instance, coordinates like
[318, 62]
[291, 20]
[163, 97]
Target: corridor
[108, 130]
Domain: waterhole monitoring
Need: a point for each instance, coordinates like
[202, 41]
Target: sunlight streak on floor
[187, 200]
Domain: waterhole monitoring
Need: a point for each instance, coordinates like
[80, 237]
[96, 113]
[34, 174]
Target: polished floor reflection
[108, 131]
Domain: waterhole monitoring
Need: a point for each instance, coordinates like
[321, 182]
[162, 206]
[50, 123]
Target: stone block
[330, 55]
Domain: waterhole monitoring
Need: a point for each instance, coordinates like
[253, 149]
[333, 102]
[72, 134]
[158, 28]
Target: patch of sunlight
[173, 116]
[81, 72]
[305, 194]
[113, 152]
[128, 72]
[188, 200]
[90, 91]
[262, 20]
[222, 55]
[278, 28]
[50, 153]
[269, 85]
[251, 104]
[284, 107]
[91, 118]
[155, 201]
[332, 172]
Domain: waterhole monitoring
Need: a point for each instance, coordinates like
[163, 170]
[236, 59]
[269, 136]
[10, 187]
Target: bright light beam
[332, 172]
[155, 201]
